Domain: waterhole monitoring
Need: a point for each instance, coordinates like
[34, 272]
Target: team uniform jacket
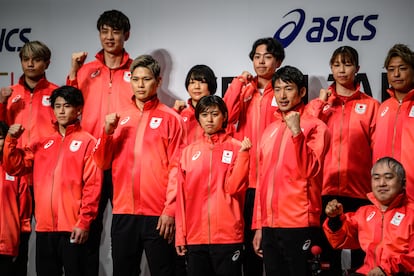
[142, 153]
[67, 183]
[289, 190]
[192, 128]
[14, 213]
[351, 121]
[211, 184]
[395, 134]
[32, 110]
[105, 90]
[251, 113]
[387, 237]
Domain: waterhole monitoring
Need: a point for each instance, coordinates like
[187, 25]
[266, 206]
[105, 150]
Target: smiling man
[288, 201]
[395, 117]
[384, 230]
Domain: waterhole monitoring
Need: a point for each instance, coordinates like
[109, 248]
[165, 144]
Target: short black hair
[289, 74]
[72, 96]
[204, 73]
[114, 19]
[273, 46]
[212, 100]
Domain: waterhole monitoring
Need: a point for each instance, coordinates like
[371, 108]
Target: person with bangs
[199, 82]
[350, 115]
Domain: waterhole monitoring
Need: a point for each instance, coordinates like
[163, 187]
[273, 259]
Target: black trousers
[215, 260]
[287, 251]
[252, 263]
[55, 253]
[131, 235]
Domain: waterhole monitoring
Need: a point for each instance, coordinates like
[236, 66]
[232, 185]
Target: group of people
[240, 185]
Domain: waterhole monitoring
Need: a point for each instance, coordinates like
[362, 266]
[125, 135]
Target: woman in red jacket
[212, 181]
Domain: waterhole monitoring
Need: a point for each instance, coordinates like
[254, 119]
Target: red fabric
[395, 134]
[105, 91]
[212, 181]
[387, 237]
[351, 121]
[251, 113]
[142, 153]
[289, 190]
[67, 182]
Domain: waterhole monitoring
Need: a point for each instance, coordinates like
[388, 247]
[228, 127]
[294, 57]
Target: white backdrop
[219, 33]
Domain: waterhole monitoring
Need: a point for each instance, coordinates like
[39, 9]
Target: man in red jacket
[67, 185]
[251, 107]
[395, 117]
[105, 85]
[384, 230]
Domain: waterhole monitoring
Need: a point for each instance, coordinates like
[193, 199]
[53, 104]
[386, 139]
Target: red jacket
[142, 153]
[105, 90]
[212, 181]
[289, 190]
[15, 212]
[251, 113]
[351, 121]
[192, 128]
[387, 237]
[395, 134]
[67, 183]
[32, 110]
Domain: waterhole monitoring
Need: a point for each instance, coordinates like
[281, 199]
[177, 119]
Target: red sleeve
[16, 161]
[91, 193]
[103, 152]
[236, 180]
[25, 206]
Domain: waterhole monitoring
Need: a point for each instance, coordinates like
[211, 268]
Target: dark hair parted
[273, 46]
[208, 101]
[72, 96]
[114, 19]
[402, 51]
[202, 73]
[347, 53]
[289, 74]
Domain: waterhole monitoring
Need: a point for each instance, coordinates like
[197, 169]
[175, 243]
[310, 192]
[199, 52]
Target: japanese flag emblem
[360, 108]
[75, 145]
[155, 122]
[46, 100]
[127, 76]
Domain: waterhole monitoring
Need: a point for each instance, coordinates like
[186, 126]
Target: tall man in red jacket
[395, 117]
[105, 85]
[288, 200]
[251, 106]
[141, 144]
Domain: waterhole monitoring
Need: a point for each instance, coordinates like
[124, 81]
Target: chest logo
[371, 215]
[360, 108]
[16, 99]
[48, 144]
[227, 156]
[127, 76]
[185, 119]
[95, 74]
[124, 121]
[9, 177]
[46, 100]
[196, 155]
[155, 122]
[384, 111]
[397, 218]
[411, 114]
[75, 145]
